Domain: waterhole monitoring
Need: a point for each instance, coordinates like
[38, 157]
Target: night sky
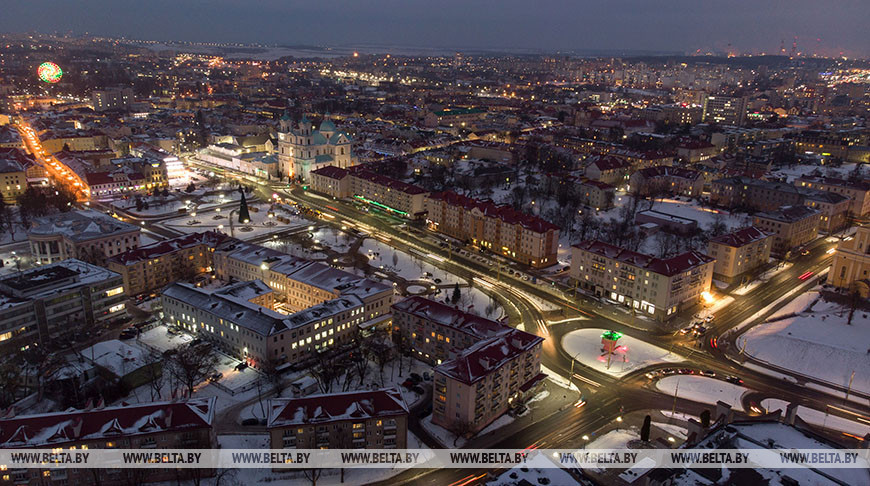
[662, 25]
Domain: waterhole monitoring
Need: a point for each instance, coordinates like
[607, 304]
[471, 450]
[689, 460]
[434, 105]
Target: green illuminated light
[611, 335]
[384, 206]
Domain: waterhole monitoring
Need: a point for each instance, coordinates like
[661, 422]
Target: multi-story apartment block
[667, 179]
[694, 151]
[851, 264]
[481, 383]
[792, 226]
[185, 424]
[501, 229]
[332, 181]
[857, 191]
[299, 283]
[13, 180]
[435, 332]
[365, 186]
[44, 303]
[154, 266]
[375, 419]
[739, 253]
[834, 208]
[112, 98]
[654, 286]
[240, 320]
[87, 235]
[595, 194]
[757, 194]
[725, 110]
[608, 169]
[304, 149]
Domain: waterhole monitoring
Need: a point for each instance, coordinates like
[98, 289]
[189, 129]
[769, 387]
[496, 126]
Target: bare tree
[460, 428]
[271, 368]
[11, 381]
[325, 372]
[153, 370]
[312, 475]
[191, 364]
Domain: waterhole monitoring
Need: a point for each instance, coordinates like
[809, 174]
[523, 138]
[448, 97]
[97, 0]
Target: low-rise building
[756, 194]
[668, 222]
[499, 228]
[739, 253]
[386, 193]
[332, 181]
[791, 226]
[185, 424]
[375, 419]
[482, 382]
[86, 234]
[240, 320]
[435, 332]
[857, 191]
[667, 179]
[694, 151]
[834, 208]
[608, 169]
[657, 287]
[595, 194]
[154, 266]
[48, 302]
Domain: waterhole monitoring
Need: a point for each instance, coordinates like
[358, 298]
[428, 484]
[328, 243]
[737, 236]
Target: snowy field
[159, 339]
[381, 255]
[334, 238]
[632, 354]
[821, 336]
[819, 418]
[702, 389]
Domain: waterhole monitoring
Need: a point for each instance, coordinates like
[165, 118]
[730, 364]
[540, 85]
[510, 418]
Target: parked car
[669, 371]
[426, 376]
[418, 390]
[407, 384]
[216, 376]
[128, 333]
[250, 421]
[709, 373]
[417, 378]
[241, 366]
[687, 330]
[734, 380]
[686, 371]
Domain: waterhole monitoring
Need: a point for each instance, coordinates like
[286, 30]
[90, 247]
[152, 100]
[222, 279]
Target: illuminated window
[114, 291]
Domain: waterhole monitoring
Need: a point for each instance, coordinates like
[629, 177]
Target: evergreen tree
[644, 430]
[244, 215]
[456, 294]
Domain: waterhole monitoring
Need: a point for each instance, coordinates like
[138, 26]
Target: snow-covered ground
[702, 389]
[538, 471]
[381, 255]
[818, 343]
[328, 477]
[585, 346]
[799, 304]
[259, 225]
[158, 338]
[449, 440]
[764, 277]
[819, 418]
[333, 238]
[614, 439]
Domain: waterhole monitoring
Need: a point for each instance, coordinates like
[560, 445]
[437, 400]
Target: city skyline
[734, 26]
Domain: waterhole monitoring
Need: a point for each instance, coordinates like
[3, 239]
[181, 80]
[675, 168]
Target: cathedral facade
[303, 148]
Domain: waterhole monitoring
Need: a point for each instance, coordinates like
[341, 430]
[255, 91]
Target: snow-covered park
[584, 345]
[260, 222]
[817, 342]
[409, 267]
[702, 389]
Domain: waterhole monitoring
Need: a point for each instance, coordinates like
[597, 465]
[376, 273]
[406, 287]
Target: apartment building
[851, 263]
[13, 180]
[118, 98]
[757, 194]
[739, 253]
[299, 283]
[499, 228]
[834, 208]
[435, 332]
[608, 169]
[595, 194]
[376, 419]
[791, 227]
[86, 234]
[154, 266]
[184, 424]
[481, 383]
[332, 181]
[657, 287]
[725, 110]
[668, 180]
[364, 186]
[47, 302]
[858, 192]
[694, 151]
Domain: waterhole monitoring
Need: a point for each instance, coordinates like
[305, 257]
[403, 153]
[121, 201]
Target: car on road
[241, 366]
[686, 371]
[669, 371]
[805, 252]
[709, 318]
[687, 330]
[128, 333]
[708, 373]
[216, 377]
[652, 375]
[700, 330]
[733, 380]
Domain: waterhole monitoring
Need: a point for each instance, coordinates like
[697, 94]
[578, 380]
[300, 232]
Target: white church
[304, 148]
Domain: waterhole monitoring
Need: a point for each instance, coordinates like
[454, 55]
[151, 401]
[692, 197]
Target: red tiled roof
[165, 247]
[99, 178]
[449, 316]
[121, 421]
[609, 162]
[490, 209]
[670, 171]
[487, 356]
[387, 182]
[668, 266]
[331, 172]
[356, 405]
[741, 237]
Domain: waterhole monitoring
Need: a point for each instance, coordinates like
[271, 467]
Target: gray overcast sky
[677, 25]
